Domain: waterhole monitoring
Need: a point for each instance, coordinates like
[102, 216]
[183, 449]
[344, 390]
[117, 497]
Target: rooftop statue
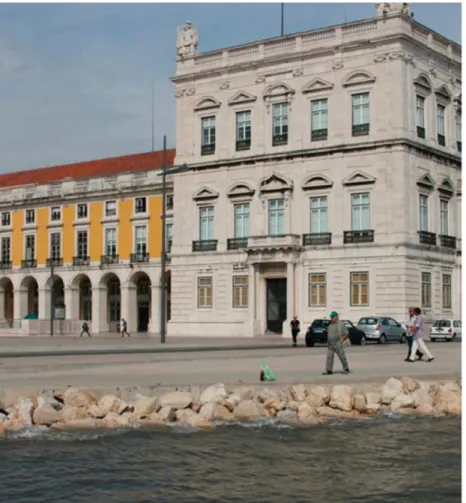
[388, 8]
[186, 40]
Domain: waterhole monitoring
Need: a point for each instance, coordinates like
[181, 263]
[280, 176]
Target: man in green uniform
[337, 334]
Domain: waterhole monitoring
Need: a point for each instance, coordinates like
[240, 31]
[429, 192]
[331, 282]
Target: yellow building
[96, 228]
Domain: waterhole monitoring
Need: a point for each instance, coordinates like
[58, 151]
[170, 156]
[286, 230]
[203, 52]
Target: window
[423, 213]
[359, 288]
[110, 209]
[110, 243]
[206, 223]
[169, 237]
[243, 130]
[443, 218]
[240, 291]
[6, 250]
[241, 220]
[458, 129]
[361, 114]
[319, 119]
[6, 219]
[55, 246]
[140, 205]
[55, 213]
[208, 136]
[426, 289]
[30, 248]
[81, 211]
[81, 239]
[420, 117]
[204, 292]
[141, 239]
[360, 210]
[317, 290]
[446, 291]
[441, 124]
[30, 216]
[280, 124]
[276, 217]
[169, 202]
[318, 215]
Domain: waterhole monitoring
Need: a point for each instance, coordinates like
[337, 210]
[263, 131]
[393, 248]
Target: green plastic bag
[267, 373]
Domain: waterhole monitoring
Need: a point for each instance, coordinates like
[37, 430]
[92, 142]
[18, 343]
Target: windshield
[320, 323]
[442, 323]
[368, 321]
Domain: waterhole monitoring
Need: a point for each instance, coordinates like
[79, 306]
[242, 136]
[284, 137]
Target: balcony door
[276, 304]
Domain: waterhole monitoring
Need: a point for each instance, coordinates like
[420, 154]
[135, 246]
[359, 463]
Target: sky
[76, 79]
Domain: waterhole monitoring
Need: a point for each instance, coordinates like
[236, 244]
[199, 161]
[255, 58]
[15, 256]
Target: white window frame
[32, 212]
[359, 283]
[420, 111]
[360, 102]
[112, 214]
[51, 250]
[316, 284]
[441, 111]
[458, 126]
[169, 236]
[423, 212]
[446, 291]
[276, 216]
[169, 202]
[136, 209]
[204, 285]
[107, 231]
[426, 289]
[209, 131]
[83, 205]
[240, 285]
[207, 214]
[55, 211]
[280, 119]
[140, 245]
[26, 237]
[444, 217]
[319, 206]
[319, 115]
[242, 212]
[358, 205]
[243, 126]
[7, 215]
[5, 257]
[78, 255]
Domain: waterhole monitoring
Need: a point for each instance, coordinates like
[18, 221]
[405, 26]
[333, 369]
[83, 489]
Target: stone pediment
[359, 178]
[242, 97]
[241, 189]
[446, 188]
[426, 181]
[316, 182]
[280, 89]
[423, 81]
[357, 78]
[275, 183]
[207, 103]
[205, 194]
[444, 92]
[317, 85]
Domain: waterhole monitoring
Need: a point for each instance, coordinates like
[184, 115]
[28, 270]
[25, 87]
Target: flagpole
[163, 296]
[282, 17]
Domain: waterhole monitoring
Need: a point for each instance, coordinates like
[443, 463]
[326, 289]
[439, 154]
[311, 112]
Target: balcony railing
[109, 259]
[208, 149]
[316, 239]
[205, 245]
[81, 260]
[28, 263]
[427, 238]
[5, 264]
[54, 262]
[354, 237]
[361, 129]
[275, 240]
[279, 139]
[137, 258]
[319, 134]
[421, 132]
[447, 241]
[237, 243]
[243, 144]
[441, 139]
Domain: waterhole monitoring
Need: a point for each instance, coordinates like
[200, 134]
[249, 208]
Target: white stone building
[325, 173]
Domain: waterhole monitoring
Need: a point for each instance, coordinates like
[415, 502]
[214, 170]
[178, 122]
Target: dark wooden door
[276, 304]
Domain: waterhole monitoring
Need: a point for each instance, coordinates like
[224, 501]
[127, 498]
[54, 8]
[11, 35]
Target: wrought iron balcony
[28, 263]
[237, 243]
[279, 139]
[81, 260]
[54, 262]
[5, 264]
[319, 134]
[427, 238]
[447, 241]
[208, 149]
[316, 239]
[205, 245]
[243, 144]
[421, 132]
[139, 257]
[109, 259]
[361, 129]
[355, 237]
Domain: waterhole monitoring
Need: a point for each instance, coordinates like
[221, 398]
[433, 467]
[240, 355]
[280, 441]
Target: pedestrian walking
[418, 332]
[85, 329]
[295, 329]
[337, 334]
[409, 337]
[124, 328]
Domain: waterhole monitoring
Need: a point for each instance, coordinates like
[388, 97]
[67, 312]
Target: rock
[207, 411]
[177, 400]
[3, 417]
[111, 420]
[308, 415]
[197, 421]
[221, 413]
[266, 394]
[410, 385]
[79, 424]
[318, 396]
[390, 390]
[50, 400]
[372, 403]
[12, 423]
[360, 402]
[248, 410]
[293, 405]
[447, 399]
[153, 419]
[342, 397]
[46, 415]
[70, 413]
[78, 398]
[196, 407]
[227, 404]
[330, 412]
[425, 408]
[213, 394]
[402, 401]
[421, 397]
[240, 394]
[298, 392]
[25, 408]
[146, 406]
[167, 414]
[110, 403]
[183, 415]
[274, 403]
[288, 416]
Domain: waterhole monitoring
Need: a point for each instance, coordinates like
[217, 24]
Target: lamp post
[163, 296]
[52, 310]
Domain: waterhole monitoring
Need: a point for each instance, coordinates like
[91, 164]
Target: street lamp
[52, 310]
[163, 297]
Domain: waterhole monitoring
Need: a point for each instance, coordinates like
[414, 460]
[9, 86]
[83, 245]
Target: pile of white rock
[298, 405]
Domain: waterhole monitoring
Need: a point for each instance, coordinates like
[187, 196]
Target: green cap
[333, 314]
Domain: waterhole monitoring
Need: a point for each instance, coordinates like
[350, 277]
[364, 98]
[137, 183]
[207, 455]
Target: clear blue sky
[75, 79]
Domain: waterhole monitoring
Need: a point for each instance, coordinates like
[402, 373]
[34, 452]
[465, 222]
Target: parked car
[317, 333]
[382, 329]
[447, 330]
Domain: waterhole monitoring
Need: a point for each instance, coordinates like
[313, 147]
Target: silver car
[382, 329]
[445, 329]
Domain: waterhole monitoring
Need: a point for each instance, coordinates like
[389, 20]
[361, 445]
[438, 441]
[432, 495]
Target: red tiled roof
[100, 167]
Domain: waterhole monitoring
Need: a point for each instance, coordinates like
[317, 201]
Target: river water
[380, 460]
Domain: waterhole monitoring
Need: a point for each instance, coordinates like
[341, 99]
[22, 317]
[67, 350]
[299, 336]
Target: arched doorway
[59, 308]
[143, 285]
[6, 308]
[30, 308]
[82, 284]
[112, 284]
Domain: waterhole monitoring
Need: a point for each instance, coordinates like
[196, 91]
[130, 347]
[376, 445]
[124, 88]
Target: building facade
[96, 229]
[324, 173]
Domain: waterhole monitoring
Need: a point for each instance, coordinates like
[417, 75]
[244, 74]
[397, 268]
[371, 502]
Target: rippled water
[377, 461]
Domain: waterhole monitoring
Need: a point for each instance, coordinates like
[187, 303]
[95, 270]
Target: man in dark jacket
[295, 329]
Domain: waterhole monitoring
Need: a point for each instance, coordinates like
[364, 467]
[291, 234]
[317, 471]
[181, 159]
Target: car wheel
[362, 342]
[403, 339]
[382, 339]
[310, 344]
[453, 338]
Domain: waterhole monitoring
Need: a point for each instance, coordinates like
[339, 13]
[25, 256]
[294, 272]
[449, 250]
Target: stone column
[2, 304]
[290, 291]
[155, 299]
[44, 303]
[99, 310]
[20, 300]
[252, 292]
[129, 306]
[71, 303]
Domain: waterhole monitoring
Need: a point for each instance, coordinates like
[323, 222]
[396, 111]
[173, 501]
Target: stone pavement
[178, 369]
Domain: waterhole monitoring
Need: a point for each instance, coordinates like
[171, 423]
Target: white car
[446, 330]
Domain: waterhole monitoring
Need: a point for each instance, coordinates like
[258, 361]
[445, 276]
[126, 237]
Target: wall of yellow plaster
[42, 235]
[68, 235]
[125, 228]
[17, 245]
[96, 212]
[155, 227]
